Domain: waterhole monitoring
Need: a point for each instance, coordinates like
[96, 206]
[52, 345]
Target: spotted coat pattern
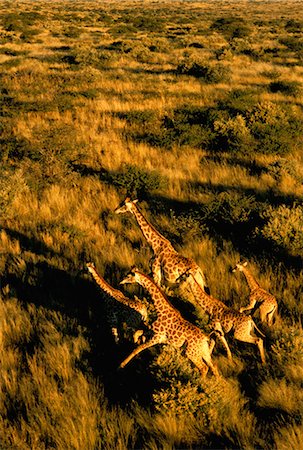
[259, 298]
[224, 319]
[171, 328]
[167, 262]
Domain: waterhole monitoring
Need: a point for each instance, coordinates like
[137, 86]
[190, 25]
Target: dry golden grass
[91, 100]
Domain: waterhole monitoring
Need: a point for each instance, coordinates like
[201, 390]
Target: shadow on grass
[72, 294]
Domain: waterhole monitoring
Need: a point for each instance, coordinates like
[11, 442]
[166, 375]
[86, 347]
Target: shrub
[232, 27]
[292, 43]
[239, 101]
[294, 26]
[285, 166]
[11, 185]
[84, 55]
[284, 228]
[272, 74]
[209, 74]
[286, 87]
[275, 130]
[72, 32]
[230, 208]
[135, 180]
[232, 135]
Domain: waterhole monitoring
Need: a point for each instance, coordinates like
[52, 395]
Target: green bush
[285, 166]
[275, 129]
[292, 43]
[230, 208]
[232, 27]
[239, 101]
[232, 135]
[284, 228]
[294, 26]
[135, 181]
[209, 74]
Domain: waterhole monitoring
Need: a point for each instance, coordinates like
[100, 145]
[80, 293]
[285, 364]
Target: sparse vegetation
[197, 111]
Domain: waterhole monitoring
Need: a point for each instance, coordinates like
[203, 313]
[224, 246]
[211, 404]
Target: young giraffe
[167, 261]
[266, 302]
[171, 328]
[225, 319]
[136, 305]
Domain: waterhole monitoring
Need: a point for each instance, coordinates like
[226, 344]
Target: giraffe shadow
[75, 297]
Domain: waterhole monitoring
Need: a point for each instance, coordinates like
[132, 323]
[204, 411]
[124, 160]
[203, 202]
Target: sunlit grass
[90, 97]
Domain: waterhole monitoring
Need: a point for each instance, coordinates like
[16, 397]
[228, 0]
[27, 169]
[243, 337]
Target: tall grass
[198, 113]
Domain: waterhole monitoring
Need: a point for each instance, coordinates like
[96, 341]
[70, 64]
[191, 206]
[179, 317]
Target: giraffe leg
[245, 336]
[212, 343]
[202, 359]
[197, 360]
[218, 329]
[270, 316]
[153, 341]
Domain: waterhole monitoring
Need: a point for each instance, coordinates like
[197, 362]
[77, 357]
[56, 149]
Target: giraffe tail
[258, 330]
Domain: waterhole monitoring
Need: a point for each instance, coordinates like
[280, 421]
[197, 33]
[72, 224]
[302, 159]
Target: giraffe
[171, 328]
[167, 262]
[136, 305]
[266, 302]
[224, 319]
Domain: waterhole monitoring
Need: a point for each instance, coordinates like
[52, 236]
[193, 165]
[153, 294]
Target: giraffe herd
[170, 327]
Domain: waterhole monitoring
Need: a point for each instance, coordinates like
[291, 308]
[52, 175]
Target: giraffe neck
[153, 237]
[204, 300]
[115, 293]
[252, 283]
[161, 303]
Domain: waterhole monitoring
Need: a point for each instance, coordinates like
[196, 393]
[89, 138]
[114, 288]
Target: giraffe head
[239, 266]
[132, 277]
[90, 266]
[126, 206]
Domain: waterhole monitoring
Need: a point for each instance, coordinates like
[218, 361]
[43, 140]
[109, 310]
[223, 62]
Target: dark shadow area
[71, 293]
[268, 197]
[253, 167]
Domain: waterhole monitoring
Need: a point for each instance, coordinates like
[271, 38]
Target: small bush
[292, 43]
[285, 166]
[135, 180]
[286, 87]
[272, 74]
[72, 32]
[230, 208]
[275, 129]
[209, 74]
[232, 27]
[284, 228]
[239, 101]
[294, 26]
[232, 135]
[11, 185]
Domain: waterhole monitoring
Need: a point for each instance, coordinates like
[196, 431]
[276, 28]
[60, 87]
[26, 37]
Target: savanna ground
[196, 109]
